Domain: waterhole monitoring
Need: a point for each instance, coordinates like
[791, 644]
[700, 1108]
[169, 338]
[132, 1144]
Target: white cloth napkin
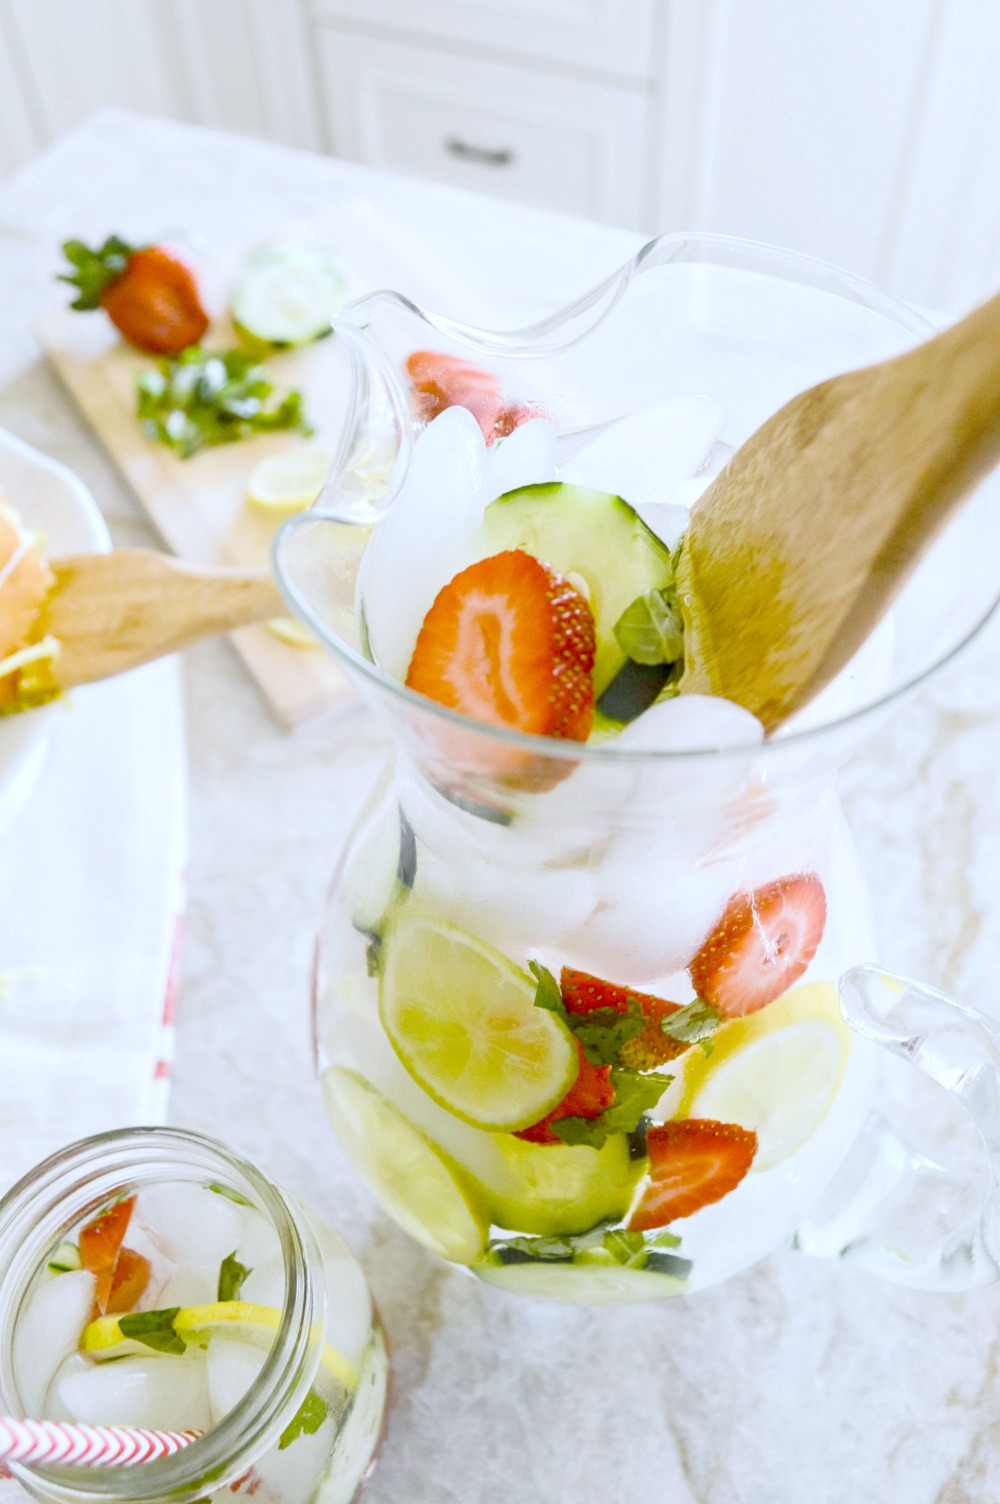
[91, 894]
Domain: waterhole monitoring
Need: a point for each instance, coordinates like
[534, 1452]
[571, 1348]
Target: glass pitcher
[514, 1017]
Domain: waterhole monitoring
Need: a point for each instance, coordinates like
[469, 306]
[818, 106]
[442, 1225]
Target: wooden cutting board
[199, 505]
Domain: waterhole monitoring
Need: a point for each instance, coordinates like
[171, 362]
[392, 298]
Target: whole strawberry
[148, 293]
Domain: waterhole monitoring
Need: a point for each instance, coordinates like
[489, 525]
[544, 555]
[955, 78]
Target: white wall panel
[87, 53]
[20, 132]
[793, 119]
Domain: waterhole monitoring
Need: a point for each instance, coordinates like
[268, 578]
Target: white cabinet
[610, 36]
[527, 134]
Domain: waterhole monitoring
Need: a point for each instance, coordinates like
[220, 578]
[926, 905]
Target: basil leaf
[154, 1329]
[306, 1421]
[651, 629]
[547, 993]
[232, 1275]
[603, 1031]
[635, 1093]
[229, 1193]
[693, 1024]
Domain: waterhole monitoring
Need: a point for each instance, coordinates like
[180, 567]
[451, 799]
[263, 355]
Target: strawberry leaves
[93, 271]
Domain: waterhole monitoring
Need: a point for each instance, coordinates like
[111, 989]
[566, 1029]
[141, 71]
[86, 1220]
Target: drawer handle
[484, 155]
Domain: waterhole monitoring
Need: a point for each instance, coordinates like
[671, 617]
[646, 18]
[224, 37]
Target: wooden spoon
[113, 611]
[800, 545]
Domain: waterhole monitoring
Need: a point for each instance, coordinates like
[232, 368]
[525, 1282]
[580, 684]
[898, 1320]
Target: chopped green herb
[635, 1093]
[230, 1194]
[603, 1031]
[205, 397]
[547, 993]
[232, 1275]
[154, 1329]
[693, 1024]
[632, 1250]
[651, 629]
[306, 1421]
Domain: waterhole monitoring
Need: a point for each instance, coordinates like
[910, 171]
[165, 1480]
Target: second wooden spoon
[799, 547]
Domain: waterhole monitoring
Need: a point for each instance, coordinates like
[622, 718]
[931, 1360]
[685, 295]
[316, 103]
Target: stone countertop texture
[797, 1381]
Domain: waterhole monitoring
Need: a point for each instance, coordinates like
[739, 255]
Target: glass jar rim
[77, 1178]
[679, 247]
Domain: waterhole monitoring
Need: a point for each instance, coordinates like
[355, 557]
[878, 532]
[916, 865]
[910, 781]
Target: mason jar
[301, 1339]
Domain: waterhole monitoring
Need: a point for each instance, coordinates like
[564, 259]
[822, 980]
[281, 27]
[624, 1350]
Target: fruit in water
[589, 1095]
[692, 1163]
[761, 945]
[561, 1189]
[463, 1021]
[100, 1242]
[776, 1071]
[510, 642]
[441, 381]
[413, 1181]
[591, 536]
[583, 993]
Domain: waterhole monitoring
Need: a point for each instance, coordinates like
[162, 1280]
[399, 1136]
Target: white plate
[57, 505]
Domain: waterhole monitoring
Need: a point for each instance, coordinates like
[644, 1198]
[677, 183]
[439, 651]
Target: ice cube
[639, 456]
[47, 1331]
[645, 928]
[348, 1308]
[527, 457]
[232, 1370]
[265, 1284]
[293, 1472]
[190, 1285]
[427, 535]
[690, 723]
[54, 1409]
[189, 1223]
[667, 520]
[165, 1393]
[508, 908]
[258, 1239]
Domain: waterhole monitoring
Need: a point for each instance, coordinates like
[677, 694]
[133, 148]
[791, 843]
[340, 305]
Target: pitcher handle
[890, 1208]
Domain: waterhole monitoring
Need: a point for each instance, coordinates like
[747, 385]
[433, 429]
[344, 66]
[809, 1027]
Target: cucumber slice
[413, 1181]
[381, 865]
[591, 1279]
[590, 534]
[563, 1188]
[64, 1259]
[287, 293]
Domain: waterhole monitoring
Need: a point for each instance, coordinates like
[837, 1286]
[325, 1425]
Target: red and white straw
[63, 1442]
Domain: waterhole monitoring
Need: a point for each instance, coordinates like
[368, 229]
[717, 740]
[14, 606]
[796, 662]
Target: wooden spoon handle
[113, 611]
[801, 544]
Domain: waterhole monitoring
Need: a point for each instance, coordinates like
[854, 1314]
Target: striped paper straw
[64, 1442]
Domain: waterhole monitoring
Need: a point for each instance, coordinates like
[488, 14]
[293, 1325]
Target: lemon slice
[776, 1071]
[462, 1019]
[290, 481]
[103, 1339]
[412, 1180]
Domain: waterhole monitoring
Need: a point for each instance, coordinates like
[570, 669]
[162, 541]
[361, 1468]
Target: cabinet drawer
[613, 36]
[517, 133]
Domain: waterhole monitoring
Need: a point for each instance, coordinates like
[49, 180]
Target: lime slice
[462, 1019]
[776, 1071]
[103, 1339]
[563, 1188]
[590, 1280]
[412, 1180]
[290, 481]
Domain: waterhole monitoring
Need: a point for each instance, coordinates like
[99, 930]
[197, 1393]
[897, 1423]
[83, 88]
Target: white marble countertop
[796, 1381]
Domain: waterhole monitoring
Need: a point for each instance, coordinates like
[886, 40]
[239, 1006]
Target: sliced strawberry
[510, 642]
[100, 1242]
[761, 945]
[589, 1095]
[583, 993]
[691, 1164]
[441, 381]
[128, 1282]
